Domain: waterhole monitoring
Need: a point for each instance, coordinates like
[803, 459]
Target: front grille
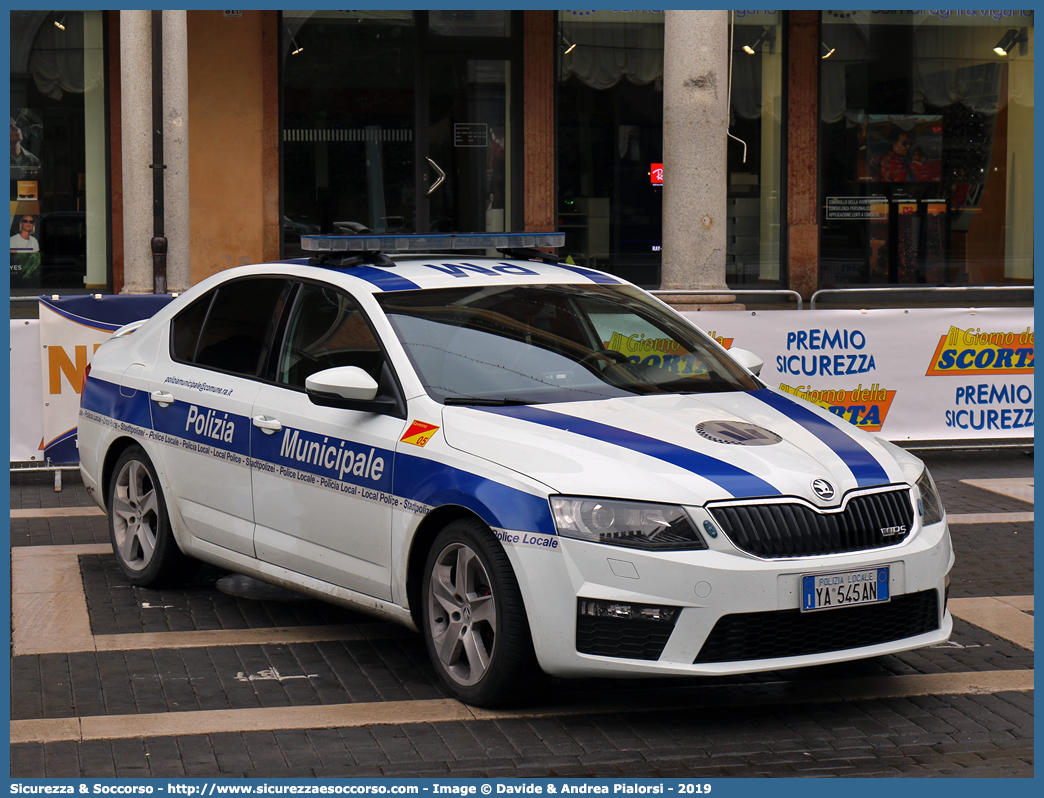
[792, 633]
[797, 530]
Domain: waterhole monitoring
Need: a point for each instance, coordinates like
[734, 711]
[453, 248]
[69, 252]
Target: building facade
[865, 148]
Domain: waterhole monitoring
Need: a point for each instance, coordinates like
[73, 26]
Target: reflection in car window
[553, 343]
[231, 329]
[186, 327]
[326, 330]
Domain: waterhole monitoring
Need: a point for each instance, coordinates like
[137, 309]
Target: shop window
[755, 197]
[348, 124]
[609, 136]
[377, 105]
[926, 141]
[59, 186]
[470, 23]
[610, 144]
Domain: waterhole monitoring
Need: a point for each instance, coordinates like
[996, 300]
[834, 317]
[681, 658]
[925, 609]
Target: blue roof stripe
[383, 279]
[733, 479]
[863, 465]
[590, 274]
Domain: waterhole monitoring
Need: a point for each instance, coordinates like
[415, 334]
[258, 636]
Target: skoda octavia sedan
[537, 466]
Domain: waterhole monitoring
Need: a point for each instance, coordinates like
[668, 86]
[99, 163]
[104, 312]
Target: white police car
[539, 466]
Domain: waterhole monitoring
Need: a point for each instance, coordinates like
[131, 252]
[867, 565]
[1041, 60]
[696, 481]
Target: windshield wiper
[485, 402]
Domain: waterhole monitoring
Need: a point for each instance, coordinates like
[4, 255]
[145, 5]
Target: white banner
[26, 404]
[922, 374]
[66, 345]
[71, 329]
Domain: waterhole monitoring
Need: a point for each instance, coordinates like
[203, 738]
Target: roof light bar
[426, 242]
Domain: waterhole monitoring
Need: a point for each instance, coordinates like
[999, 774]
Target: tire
[139, 527]
[474, 622]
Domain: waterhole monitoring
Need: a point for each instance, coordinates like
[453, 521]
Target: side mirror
[350, 383]
[747, 359]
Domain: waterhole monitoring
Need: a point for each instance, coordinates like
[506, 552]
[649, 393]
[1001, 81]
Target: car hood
[650, 448]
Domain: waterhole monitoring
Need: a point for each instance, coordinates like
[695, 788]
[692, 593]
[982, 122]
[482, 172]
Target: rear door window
[232, 328]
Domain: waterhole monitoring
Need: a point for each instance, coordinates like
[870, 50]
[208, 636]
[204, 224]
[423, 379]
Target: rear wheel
[475, 624]
[139, 527]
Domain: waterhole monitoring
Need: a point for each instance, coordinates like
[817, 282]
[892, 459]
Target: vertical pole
[159, 241]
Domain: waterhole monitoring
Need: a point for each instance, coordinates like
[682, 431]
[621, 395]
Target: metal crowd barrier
[47, 465]
[922, 289]
[727, 291]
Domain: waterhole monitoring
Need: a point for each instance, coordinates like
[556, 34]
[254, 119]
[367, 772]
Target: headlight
[929, 506]
[621, 523]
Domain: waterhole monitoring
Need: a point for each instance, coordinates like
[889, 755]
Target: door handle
[162, 398]
[267, 425]
[442, 175]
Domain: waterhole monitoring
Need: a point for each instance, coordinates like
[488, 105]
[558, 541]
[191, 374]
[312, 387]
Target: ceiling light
[293, 43]
[768, 37]
[59, 23]
[1009, 40]
[828, 51]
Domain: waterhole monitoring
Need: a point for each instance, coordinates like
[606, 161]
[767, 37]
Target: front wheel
[139, 528]
[474, 622]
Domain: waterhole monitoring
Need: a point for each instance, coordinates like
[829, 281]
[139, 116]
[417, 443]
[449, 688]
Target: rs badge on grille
[889, 531]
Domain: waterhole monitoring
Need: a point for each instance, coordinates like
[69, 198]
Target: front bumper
[756, 601]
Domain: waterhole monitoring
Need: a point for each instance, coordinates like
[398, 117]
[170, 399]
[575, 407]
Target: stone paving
[989, 734]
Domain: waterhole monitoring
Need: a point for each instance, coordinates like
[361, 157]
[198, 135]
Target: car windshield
[533, 344]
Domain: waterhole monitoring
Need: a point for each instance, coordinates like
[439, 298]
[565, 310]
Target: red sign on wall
[656, 174]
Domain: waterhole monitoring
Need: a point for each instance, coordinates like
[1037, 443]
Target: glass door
[468, 187]
[348, 133]
[399, 122]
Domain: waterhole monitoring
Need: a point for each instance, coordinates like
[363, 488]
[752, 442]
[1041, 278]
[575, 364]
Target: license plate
[844, 589]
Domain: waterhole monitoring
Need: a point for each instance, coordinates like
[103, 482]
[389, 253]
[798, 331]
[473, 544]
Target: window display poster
[26, 143]
[25, 248]
[903, 148]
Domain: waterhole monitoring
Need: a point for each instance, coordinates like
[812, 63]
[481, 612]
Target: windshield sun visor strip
[735, 480]
[593, 276]
[861, 463]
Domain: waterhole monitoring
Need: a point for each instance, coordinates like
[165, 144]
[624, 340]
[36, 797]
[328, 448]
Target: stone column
[695, 128]
[539, 82]
[176, 149]
[136, 110]
[803, 153]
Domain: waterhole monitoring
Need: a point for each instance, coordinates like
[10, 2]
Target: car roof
[420, 272]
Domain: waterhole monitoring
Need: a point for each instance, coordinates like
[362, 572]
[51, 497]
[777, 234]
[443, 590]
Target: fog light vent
[623, 629]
